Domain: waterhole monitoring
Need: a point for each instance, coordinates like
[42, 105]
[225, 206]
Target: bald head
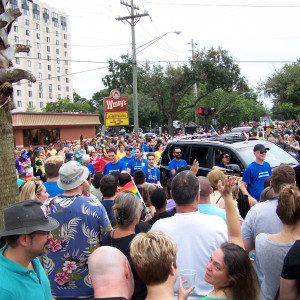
[205, 187]
[110, 273]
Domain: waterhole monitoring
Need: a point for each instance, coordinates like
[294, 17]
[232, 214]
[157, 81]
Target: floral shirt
[83, 221]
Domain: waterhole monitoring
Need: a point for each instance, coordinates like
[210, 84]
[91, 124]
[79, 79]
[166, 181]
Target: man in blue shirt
[255, 174]
[21, 273]
[177, 162]
[114, 164]
[90, 166]
[128, 155]
[137, 163]
[144, 145]
[152, 173]
[52, 166]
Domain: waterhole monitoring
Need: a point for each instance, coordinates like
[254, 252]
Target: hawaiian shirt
[82, 223]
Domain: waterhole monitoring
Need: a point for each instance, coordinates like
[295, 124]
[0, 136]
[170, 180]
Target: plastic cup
[188, 275]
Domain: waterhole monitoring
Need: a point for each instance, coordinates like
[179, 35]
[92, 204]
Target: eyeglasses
[226, 156]
[178, 152]
[262, 151]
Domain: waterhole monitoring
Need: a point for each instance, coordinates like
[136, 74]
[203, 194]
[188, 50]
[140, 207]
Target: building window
[28, 42]
[65, 45]
[50, 87]
[19, 103]
[38, 46]
[19, 83]
[28, 63]
[19, 93]
[36, 11]
[63, 23]
[25, 7]
[57, 42]
[38, 26]
[39, 56]
[67, 89]
[58, 78]
[41, 104]
[59, 96]
[50, 96]
[56, 33]
[49, 76]
[29, 83]
[58, 60]
[48, 57]
[65, 36]
[66, 71]
[47, 29]
[40, 86]
[55, 19]
[39, 75]
[30, 104]
[30, 94]
[49, 67]
[46, 17]
[29, 54]
[66, 62]
[48, 48]
[39, 66]
[17, 60]
[57, 51]
[26, 22]
[58, 69]
[47, 39]
[16, 39]
[66, 54]
[16, 28]
[13, 3]
[68, 97]
[67, 80]
[27, 32]
[59, 87]
[38, 36]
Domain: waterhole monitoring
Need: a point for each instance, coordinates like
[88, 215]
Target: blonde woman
[34, 190]
[78, 153]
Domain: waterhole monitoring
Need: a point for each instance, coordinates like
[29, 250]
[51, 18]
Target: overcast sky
[258, 34]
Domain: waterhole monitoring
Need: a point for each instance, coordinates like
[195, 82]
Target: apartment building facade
[47, 31]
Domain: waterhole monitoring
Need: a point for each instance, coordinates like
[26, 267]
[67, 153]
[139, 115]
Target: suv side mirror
[233, 167]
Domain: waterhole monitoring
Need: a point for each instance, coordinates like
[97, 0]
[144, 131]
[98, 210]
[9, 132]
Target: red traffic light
[201, 111]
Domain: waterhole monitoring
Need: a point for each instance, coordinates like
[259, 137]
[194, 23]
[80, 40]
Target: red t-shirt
[96, 163]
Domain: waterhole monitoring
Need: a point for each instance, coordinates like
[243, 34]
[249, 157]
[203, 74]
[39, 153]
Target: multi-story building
[47, 31]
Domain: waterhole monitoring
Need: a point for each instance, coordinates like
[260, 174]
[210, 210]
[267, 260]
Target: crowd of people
[79, 232]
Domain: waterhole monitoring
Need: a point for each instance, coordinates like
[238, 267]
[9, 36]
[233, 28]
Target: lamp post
[81, 102]
[134, 70]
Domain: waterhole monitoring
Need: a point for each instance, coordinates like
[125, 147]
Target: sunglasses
[226, 156]
[263, 151]
[37, 184]
[178, 152]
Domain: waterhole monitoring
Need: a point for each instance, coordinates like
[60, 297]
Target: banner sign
[116, 109]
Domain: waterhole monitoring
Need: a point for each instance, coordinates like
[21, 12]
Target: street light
[134, 71]
[81, 102]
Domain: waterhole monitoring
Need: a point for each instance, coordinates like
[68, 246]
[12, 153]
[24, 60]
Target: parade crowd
[94, 222]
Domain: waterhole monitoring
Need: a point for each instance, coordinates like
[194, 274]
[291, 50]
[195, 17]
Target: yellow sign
[116, 118]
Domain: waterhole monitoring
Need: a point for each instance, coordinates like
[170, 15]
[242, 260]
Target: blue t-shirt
[135, 165]
[109, 167]
[20, 283]
[52, 188]
[90, 166]
[145, 148]
[174, 165]
[125, 160]
[78, 153]
[210, 209]
[108, 204]
[255, 176]
[152, 175]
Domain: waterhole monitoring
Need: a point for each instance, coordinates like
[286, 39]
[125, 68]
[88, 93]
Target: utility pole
[195, 85]
[134, 19]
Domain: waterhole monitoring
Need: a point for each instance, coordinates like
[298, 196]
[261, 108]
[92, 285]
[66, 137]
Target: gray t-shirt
[269, 256]
[261, 218]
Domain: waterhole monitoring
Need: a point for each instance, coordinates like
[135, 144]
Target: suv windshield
[274, 157]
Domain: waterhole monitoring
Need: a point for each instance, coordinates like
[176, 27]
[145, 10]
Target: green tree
[285, 111]
[284, 84]
[170, 87]
[65, 105]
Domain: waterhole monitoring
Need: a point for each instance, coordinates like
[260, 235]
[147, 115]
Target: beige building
[47, 31]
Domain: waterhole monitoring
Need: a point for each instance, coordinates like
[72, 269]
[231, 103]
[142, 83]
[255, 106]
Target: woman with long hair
[127, 210]
[271, 249]
[34, 190]
[95, 160]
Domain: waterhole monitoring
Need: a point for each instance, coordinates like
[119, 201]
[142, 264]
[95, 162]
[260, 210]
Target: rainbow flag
[130, 187]
[289, 124]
